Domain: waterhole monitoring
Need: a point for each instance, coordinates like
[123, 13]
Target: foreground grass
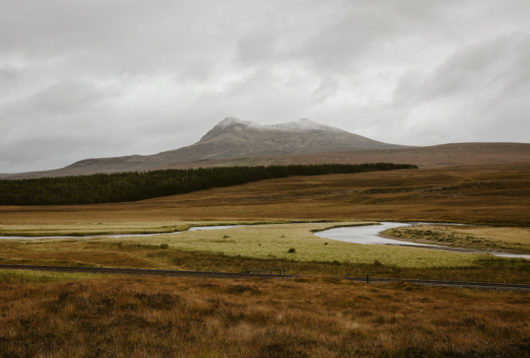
[516, 240]
[160, 317]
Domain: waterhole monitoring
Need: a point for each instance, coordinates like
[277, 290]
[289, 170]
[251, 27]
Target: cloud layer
[96, 78]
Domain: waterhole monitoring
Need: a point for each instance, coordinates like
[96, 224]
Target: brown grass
[494, 194]
[184, 317]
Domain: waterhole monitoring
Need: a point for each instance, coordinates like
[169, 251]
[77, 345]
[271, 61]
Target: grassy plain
[498, 195]
[259, 241]
[244, 248]
[159, 317]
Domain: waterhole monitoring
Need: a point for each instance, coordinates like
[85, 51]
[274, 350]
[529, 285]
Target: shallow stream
[371, 235]
[367, 235]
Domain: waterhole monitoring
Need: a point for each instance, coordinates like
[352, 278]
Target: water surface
[371, 235]
[194, 228]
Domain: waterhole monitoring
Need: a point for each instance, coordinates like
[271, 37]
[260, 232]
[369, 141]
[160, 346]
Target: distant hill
[236, 142]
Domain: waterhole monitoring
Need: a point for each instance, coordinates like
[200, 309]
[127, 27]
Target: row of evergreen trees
[102, 188]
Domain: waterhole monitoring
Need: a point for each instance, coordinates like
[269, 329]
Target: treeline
[104, 188]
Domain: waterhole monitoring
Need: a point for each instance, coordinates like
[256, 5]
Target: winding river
[193, 228]
[367, 235]
[371, 235]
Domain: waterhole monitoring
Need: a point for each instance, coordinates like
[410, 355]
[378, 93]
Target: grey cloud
[491, 66]
[478, 92]
[60, 98]
[103, 78]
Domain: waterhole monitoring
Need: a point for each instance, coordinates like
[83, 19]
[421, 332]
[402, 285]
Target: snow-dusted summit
[235, 138]
[303, 124]
[232, 124]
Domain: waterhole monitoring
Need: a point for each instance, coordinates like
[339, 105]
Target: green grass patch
[27, 276]
[275, 241]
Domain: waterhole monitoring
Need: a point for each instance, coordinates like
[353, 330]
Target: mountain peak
[231, 124]
[233, 138]
[231, 121]
[303, 124]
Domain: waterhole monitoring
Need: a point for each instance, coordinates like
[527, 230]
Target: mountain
[236, 142]
[233, 138]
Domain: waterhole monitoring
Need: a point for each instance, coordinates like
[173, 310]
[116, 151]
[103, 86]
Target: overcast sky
[95, 78]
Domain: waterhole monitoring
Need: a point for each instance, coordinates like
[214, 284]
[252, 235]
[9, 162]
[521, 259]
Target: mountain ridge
[237, 142]
[233, 138]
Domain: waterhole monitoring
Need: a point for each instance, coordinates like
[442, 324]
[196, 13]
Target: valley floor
[46, 315]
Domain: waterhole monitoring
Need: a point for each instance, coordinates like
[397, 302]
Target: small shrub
[291, 251]
[158, 301]
[164, 246]
[242, 289]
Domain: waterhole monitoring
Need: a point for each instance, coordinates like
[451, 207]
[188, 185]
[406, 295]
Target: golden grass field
[114, 316]
[93, 315]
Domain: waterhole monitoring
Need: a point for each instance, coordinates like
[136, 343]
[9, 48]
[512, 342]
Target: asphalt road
[233, 275]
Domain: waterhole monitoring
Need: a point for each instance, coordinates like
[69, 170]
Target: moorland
[97, 315]
[61, 315]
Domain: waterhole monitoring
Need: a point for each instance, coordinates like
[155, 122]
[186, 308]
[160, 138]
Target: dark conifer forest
[132, 186]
